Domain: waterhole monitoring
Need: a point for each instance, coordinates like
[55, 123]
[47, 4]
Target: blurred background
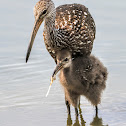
[23, 86]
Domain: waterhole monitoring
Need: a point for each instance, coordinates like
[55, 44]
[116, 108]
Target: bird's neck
[50, 25]
[52, 34]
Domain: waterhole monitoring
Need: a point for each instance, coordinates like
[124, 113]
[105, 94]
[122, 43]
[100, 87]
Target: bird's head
[42, 10]
[64, 60]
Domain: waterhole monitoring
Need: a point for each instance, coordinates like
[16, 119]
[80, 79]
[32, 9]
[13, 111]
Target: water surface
[23, 86]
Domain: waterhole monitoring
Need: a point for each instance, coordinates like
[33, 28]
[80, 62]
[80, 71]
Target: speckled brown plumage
[68, 26]
[76, 30]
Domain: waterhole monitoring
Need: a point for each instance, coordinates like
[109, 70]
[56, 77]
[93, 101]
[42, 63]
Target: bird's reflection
[96, 120]
[69, 120]
[77, 123]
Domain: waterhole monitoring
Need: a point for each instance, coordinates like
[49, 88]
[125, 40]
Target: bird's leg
[76, 111]
[68, 106]
[78, 105]
[79, 102]
[96, 108]
[74, 98]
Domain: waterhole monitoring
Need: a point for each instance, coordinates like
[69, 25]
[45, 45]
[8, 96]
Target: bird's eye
[44, 12]
[66, 59]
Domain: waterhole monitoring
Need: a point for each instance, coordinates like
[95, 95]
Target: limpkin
[68, 26]
[80, 76]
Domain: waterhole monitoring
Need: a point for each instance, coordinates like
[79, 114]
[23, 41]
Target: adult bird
[68, 26]
[80, 76]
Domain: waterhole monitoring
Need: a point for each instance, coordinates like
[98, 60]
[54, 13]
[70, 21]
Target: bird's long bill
[57, 69]
[34, 32]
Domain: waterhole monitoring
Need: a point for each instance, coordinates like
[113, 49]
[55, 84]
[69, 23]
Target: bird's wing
[77, 25]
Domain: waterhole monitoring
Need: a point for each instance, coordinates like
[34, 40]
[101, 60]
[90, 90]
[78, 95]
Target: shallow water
[23, 86]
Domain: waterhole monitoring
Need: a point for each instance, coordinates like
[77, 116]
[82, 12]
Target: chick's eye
[44, 12]
[66, 59]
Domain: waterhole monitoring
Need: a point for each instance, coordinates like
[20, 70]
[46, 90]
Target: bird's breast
[70, 81]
